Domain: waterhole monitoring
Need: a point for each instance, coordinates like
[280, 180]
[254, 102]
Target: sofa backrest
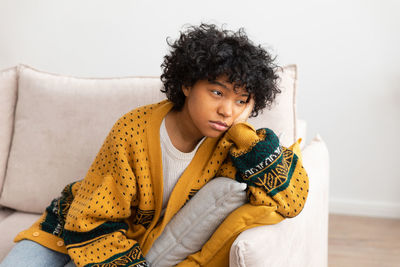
[60, 123]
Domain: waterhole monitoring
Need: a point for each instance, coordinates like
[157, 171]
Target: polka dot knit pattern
[112, 216]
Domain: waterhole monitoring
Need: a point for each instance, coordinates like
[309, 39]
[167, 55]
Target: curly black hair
[207, 52]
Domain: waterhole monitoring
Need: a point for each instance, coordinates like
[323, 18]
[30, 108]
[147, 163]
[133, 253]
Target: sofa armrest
[297, 242]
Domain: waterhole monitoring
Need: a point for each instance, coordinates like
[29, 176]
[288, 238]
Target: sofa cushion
[194, 224]
[61, 122]
[301, 131]
[246, 252]
[8, 98]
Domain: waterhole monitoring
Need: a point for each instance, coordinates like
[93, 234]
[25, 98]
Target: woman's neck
[181, 131]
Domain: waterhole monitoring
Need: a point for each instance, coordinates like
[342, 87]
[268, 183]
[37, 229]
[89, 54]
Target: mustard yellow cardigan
[112, 216]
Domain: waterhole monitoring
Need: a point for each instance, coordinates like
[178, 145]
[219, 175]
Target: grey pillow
[194, 224]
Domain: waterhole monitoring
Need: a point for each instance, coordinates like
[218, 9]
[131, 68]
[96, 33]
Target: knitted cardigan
[112, 216]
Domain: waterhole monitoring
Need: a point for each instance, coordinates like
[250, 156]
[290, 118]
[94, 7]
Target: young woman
[157, 156]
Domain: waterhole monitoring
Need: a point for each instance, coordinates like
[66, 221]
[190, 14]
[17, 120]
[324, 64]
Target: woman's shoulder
[139, 116]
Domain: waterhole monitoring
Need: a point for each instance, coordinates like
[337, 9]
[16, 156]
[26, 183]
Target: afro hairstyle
[206, 52]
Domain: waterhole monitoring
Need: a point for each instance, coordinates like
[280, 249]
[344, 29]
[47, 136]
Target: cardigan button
[60, 243]
[35, 234]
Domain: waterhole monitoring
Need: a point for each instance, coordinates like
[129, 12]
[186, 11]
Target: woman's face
[213, 106]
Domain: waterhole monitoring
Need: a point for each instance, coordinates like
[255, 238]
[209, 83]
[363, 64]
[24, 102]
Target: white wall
[347, 53]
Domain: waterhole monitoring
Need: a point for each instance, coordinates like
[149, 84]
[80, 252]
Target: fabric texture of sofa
[51, 127]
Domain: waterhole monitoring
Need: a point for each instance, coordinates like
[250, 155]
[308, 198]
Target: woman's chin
[214, 134]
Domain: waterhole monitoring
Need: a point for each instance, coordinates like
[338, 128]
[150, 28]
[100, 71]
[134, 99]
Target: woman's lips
[219, 126]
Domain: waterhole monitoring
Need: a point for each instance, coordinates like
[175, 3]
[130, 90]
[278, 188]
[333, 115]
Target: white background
[347, 53]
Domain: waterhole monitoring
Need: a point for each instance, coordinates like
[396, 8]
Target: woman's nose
[225, 108]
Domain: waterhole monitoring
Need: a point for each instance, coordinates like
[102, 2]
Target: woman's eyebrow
[218, 83]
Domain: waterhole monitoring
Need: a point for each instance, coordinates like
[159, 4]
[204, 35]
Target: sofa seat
[12, 222]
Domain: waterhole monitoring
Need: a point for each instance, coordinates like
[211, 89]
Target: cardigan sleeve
[274, 174]
[95, 231]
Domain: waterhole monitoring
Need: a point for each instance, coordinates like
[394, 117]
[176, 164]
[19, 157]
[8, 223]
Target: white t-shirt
[174, 163]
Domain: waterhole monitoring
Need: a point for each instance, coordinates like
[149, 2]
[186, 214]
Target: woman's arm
[97, 220]
[274, 174]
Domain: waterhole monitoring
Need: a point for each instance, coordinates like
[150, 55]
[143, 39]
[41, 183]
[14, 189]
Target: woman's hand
[246, 112]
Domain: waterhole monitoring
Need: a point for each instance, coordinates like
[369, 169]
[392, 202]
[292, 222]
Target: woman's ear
[185, 90]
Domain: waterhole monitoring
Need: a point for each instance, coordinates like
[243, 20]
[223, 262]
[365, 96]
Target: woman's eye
[241, 102]
[216, 92]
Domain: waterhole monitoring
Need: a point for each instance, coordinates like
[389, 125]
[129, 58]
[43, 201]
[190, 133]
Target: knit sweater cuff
[258, 155]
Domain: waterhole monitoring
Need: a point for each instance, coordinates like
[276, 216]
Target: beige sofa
[51, 127]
